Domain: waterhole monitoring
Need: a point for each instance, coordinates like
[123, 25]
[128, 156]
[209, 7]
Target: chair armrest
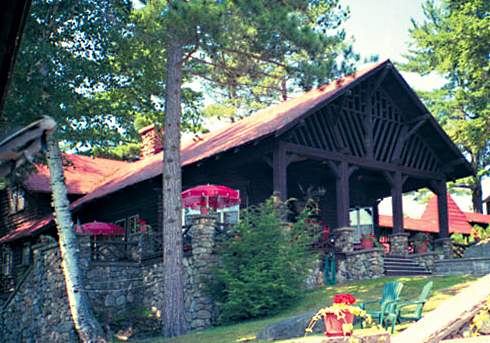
[363, 304]
[400, 305]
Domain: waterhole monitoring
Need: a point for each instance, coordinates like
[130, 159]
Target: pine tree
[454, 41]
[195, 32]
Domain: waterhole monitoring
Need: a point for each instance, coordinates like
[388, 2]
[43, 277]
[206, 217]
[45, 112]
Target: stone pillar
[202, 311]
[399, 244]
[344, 239]
[446, 251]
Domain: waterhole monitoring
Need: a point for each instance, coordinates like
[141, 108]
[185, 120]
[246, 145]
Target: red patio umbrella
[210, 196]
[100, 228]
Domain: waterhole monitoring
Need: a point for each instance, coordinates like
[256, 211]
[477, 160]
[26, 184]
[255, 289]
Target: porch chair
[398, 316]
[389, 298]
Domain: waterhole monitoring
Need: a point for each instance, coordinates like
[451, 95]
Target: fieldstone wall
[445, 247]
[481, 249]
[361, 264]
[475, 265]
[426, 260]
[120, 292]
[38, 310]
[399, 244]
[201, 309]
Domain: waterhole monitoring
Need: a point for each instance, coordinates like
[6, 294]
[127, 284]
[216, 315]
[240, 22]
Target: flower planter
[334, 324]
[367, 244]
[422, 247]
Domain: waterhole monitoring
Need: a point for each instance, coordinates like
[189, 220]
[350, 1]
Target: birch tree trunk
[173, 303]
[86, 325]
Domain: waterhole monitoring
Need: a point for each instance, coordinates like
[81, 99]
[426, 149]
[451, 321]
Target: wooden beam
[319, 154]
[379, 80]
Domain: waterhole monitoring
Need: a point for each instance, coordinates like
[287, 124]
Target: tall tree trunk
[86, 325]
[173, 303]
[476, 188]
[476, 195]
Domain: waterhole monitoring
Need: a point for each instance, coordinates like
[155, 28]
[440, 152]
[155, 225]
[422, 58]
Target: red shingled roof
[459, 221]
[478, 218]
[82, 173]
[410, 224]
[261, 124]
[27, 228]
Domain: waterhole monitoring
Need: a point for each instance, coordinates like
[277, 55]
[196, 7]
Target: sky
[381, 27]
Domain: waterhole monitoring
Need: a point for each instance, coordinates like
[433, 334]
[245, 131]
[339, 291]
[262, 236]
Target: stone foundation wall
[476, 266]
[426, 260]
[118, 292]
[38, 311]
[361, 264]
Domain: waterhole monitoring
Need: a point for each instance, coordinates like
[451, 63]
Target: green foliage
[480, 233]
[263, 265]
[454, 41]
[62, 61]
[249, 54]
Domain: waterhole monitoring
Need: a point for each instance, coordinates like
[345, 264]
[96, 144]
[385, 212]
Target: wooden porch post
[396, 181]
[442, 209]
[279, 171]
[342, 194]
[397, 202]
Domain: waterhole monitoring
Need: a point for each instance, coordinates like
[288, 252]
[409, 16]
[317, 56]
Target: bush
[263, 264]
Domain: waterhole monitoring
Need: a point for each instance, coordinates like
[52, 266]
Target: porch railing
[114, 251]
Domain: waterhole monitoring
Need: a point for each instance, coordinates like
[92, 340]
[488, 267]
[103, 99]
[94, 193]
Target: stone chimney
[151, 141]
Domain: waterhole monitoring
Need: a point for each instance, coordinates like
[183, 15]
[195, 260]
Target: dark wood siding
[141, 199]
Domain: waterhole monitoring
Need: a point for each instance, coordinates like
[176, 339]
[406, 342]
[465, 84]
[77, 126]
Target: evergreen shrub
[263, 264]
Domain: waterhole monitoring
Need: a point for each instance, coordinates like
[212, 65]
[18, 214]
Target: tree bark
[86, 325]
[173, 303]
[476, 195]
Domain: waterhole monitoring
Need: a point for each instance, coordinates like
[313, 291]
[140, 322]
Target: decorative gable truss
[366, 124]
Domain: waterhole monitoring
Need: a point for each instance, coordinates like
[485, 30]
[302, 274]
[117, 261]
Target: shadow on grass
[444, 288]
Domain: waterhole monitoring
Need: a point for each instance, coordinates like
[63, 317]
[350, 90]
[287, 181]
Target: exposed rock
[289, 328]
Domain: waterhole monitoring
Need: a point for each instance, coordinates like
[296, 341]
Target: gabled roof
[456, 218]
[260, 125]
[459, 221]
[267, 122]
[82, 174]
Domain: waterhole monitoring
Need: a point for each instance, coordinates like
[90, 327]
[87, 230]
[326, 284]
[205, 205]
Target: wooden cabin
[358, 139]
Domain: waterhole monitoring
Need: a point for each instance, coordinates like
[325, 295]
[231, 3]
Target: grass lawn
[444, 287]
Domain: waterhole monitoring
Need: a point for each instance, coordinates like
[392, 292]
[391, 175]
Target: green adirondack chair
[401, 316]
[389, 298]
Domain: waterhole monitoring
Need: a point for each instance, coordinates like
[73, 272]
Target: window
[6, 255]
[26, 254]
[361, 218]
[16, 199]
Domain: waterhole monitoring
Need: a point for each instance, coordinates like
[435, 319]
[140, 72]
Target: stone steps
[403, 266]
